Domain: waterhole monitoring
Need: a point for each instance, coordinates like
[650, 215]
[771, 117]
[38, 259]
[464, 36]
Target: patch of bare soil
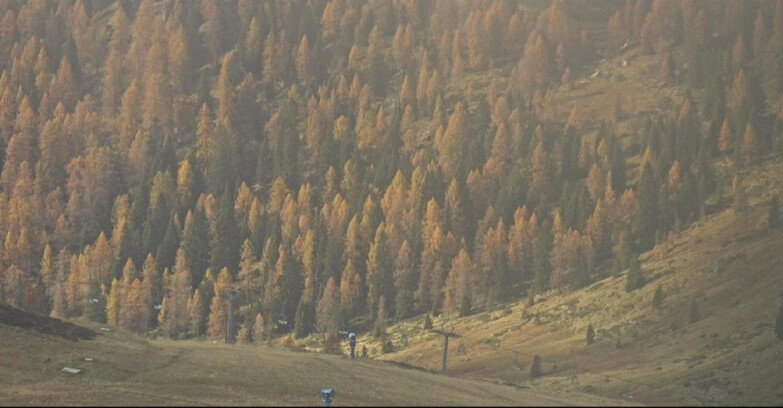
[44, 324]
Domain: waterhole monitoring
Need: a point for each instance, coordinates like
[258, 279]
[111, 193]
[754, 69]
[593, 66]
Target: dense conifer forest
[337, 164]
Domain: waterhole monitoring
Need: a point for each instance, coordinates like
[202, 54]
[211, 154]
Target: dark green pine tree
[155, 226]
[264, 165]
[688, 139]
[617, 266]
[616, 164]
[590, 335]
[222, 165]
[403, 304]
[196, 244]
[258, 235]
[706, 184]
[634, 279]
[207, 291]
[332, 260]
[541, 266]
[427, 324]
[709, 145]
[584, 207]
[140, 197]
[478, 123]
[535, 368]
[779, 70]
[165, 158]
[292, 284]
[568, 204]
[129, 248]
[648, 203]
[695, 75]
[657, 300]
[694, 314]
[570, 154]
[665, 210]
[777, 134]
[511, 193]
[715, 99]
[167, 251]
[225, 245]
[285, 157]
[774, 213]
[648, 136]
[305, 314]
[466, 307]
[244, 230]
[689, 198]
[380, 271]
[502, 278]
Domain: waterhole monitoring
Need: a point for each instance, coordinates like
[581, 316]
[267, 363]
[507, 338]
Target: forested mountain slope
[710, 336]
[333, 165]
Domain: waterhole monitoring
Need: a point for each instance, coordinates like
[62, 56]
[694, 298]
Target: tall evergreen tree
[173, 317]
[648, 200]
[155, 226]
[535, 367]
[380, 272]
[657, 299]
[167, 250]
[541, 255]
[290, 281]
[196, 244]
[773, 219]
[590, 336]
[328, 311]
[222, 167]
[219, 317]
[225, 245]
[634, 279]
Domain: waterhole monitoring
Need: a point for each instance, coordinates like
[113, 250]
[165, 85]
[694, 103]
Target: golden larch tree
[328, 309]
[218, 310]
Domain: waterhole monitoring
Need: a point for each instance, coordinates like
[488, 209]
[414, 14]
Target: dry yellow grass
[128, 370]
[641, 93]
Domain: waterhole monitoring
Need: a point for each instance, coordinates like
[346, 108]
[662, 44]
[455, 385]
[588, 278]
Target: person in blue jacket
[327, 395]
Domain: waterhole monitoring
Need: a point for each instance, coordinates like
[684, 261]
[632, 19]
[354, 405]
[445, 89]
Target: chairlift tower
[446, 335]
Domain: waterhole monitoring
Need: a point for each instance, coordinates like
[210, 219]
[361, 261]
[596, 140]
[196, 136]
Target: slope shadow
[44, 324]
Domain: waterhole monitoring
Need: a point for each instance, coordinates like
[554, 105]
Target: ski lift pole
[446, 336]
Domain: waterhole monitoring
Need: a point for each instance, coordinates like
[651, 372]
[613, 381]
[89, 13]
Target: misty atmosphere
[391, 202]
